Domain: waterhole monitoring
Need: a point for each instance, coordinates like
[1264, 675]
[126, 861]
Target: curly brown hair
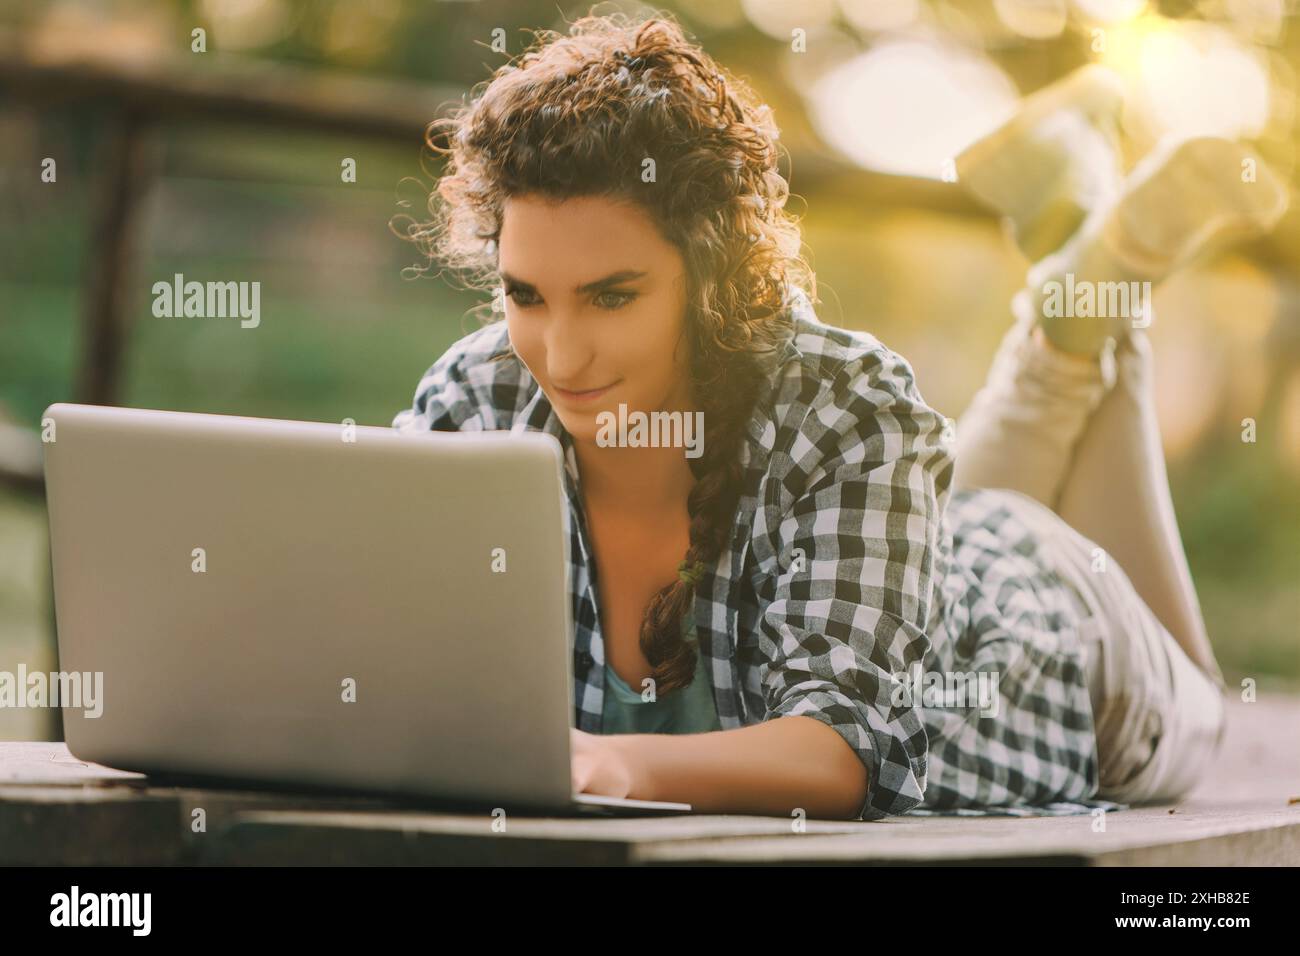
[579, 115]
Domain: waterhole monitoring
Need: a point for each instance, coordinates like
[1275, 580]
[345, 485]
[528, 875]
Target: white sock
[1053, 161]
[1181, 200]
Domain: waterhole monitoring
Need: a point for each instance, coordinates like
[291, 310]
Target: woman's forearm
[774, 767]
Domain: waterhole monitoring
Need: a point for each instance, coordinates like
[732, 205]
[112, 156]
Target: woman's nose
[568, 350]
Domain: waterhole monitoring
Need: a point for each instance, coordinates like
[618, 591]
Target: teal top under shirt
[687, 710]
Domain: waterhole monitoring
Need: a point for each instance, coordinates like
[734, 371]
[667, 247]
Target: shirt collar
[538, 415]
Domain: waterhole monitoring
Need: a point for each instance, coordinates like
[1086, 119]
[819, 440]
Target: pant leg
[1117, 494]
[1020, 429]
[1159, 719]
[1080, 435]
[1165, 707]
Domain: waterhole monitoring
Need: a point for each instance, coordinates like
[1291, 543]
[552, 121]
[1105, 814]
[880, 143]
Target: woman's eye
[522, 297]
[611, 301]
[608, 301]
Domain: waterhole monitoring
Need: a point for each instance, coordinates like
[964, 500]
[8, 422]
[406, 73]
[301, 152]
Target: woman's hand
[600, 765]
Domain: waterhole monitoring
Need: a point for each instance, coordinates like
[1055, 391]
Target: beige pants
[1077, 440]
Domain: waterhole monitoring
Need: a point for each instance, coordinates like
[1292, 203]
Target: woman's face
[595, 298]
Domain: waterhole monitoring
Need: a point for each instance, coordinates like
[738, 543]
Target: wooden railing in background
[131, 99]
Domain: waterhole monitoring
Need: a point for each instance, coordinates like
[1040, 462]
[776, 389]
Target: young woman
[752, 625]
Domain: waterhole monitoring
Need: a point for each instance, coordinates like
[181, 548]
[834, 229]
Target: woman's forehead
[582, 235]
[536, 209]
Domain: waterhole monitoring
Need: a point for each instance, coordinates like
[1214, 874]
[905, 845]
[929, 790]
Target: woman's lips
[586, 396]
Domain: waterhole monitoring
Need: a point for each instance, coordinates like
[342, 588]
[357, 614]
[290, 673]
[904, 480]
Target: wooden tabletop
[55, 809]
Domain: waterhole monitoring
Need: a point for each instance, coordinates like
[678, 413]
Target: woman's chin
[581, 425]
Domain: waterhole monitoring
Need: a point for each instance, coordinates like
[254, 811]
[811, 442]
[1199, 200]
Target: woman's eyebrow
[599, 285]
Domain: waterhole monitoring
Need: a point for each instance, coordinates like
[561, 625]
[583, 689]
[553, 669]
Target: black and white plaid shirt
[849, 569]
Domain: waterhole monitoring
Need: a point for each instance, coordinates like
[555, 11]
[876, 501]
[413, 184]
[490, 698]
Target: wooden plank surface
[56, 809]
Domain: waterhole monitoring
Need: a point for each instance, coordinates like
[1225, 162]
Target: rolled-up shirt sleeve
[851, 533]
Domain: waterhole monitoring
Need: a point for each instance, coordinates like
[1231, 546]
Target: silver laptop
[318, 605]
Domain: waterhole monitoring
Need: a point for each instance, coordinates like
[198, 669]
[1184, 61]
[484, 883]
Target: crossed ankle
[1089, 357]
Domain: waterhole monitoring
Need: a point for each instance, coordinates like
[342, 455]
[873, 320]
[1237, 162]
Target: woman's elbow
[849, 791]
[842, 779]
